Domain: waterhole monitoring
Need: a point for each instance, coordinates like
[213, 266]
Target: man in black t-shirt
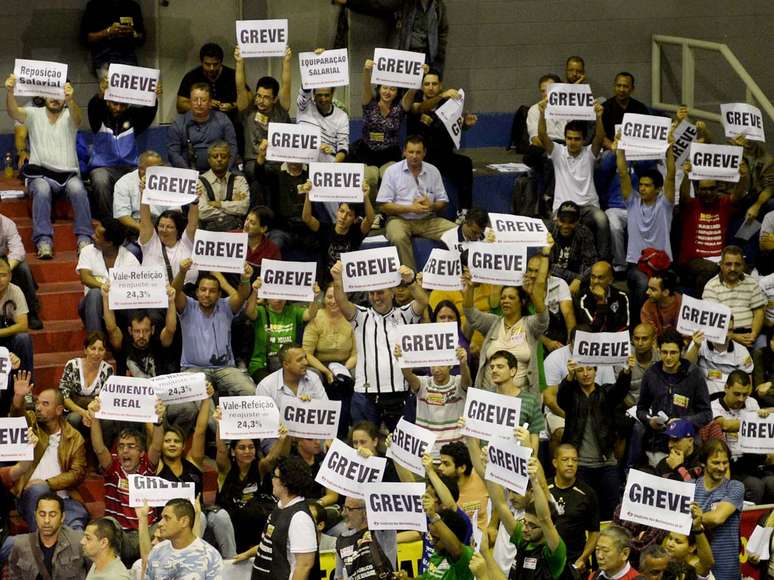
[622, 102]
[112, 30]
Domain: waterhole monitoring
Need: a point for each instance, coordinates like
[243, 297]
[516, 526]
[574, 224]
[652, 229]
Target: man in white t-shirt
[574, 172]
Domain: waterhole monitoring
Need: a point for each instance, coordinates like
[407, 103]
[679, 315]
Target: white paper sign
[14, 445]
[507, 464]
[170, 186]
[39, 78]
[430, 344]
[315, 419]
[157, 491]
[328, 69]
[647, 132]
[719, 162]
[395, 506]
[759, 542]
[451, 114]
[180, 387]
[293, 143]
[518, 229]
[282, 280]
[409, 443]
[489, 415]
[742, 119]
[374, 269]
[601, 348]
[347, 473]
[711, 317]
[219, 251]
[337, 182]
[262, 38]
[5, 367]
[442, 271]
[569, 101]
[134, 85]
[248, 417]
[398, 68]
[685, 134]
[658, 502]
[127, 399]
[138, 287]
[497, 263]
[756, 434]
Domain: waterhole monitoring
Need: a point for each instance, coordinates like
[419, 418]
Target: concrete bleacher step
[59, 300]
[49, 367]
[58, 335]
[60, 269]
[64, 237]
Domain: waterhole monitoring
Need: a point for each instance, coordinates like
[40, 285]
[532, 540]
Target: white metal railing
[753, 93]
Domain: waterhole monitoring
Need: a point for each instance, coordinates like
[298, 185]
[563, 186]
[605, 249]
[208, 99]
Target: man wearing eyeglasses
[361, 553]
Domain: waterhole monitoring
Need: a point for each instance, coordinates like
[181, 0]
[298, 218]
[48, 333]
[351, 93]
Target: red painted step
[60, 269]
[59, 300]
[49, 367]
[58, 335]
[64, 237]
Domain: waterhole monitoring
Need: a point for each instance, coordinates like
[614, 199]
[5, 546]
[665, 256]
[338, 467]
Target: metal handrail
[753, 93]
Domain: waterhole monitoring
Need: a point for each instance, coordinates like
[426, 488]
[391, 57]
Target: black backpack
[519, 137]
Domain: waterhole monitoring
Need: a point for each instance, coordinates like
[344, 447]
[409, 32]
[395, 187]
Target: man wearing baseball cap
[574, 251]
[682, 463]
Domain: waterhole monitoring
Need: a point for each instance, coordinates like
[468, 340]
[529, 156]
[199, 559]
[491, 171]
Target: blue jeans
[596, 220]
[42, 190]
[75, 517]
[90, 310]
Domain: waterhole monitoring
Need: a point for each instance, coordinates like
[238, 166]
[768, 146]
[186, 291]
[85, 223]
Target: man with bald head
[645, 354]
[59, 463]
[601, 305]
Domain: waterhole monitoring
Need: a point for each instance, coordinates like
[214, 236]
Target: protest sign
[497, 263]
[337, 182]
[370, 269]
[451, 114]
[219, 251]
[344, 471]
[713, 318]
[138, 287]
[314, 419]
[567, 102]
[127, 399]
[489, 415]
[293, 143]
[134, 85]
[170, 186]
[395, 506]
[327, 69]
[601, 348]
[507, 464]
[442, 271]
[684, 134]
[431, 344]
[718, 162]
[658, 502]
[644, 132]
[398, 68]
[39, 78]
[282, 280]
[262, 38]
[248, 417]
[409, 443]
[14, 445]
[742, 119]
[756, 434]
[519, 229]
[157, 491]
[180, 387]
[5, 367]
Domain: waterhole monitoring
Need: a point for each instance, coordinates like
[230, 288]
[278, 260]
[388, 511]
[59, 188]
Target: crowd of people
[626, 241]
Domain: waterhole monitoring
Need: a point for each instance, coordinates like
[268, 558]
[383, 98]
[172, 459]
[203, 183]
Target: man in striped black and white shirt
[380, 390]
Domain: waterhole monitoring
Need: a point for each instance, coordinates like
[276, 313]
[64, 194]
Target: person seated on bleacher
[102, 545]
[682, 463]
[224, 197]
[52, 549]
[601, 305]
[127, 194]
[717, 360]
[622, 102]
[574, 173]
[112, 31]
[663, 304]
[131, 458]
[554, 127]
[205, 325]
[257, 224]
[413, 195]
[471, 229]
[12, 248]
[573, 252]
[60, 456]
[192, 132]
[107, 252]
[170, 241]
[116, 127]
[13, 318]
[53, 166]
[439, 146]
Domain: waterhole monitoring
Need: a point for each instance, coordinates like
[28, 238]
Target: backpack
[519, 137]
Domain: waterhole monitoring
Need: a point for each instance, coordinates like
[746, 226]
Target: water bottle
[8, 165]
